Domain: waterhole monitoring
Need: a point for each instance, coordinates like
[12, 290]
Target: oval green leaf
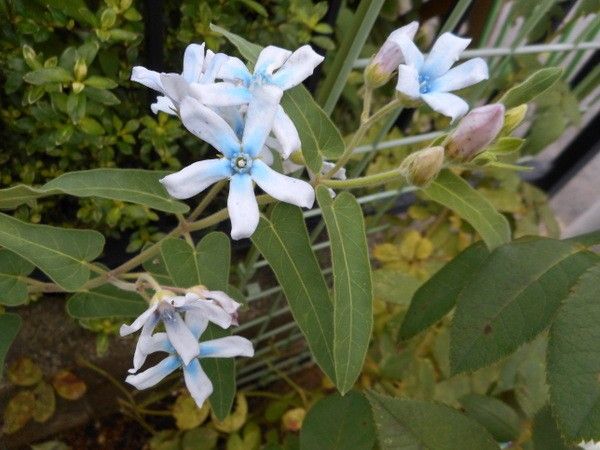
[10, 324]
[13, 270]
[534, 85]
[104, 302]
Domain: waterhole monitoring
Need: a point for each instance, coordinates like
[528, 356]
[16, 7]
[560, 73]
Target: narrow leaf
[248, 50]
[496, 416]
[437, 296]
[13, 269]
[574, 361]
[352, 291]
[63, 254]
[452, 191]
[104, 302]
[411, 424]
[48, 75]
[339, 423]
[10, 324]
[512, 298]
[536, 84]
[283, 241]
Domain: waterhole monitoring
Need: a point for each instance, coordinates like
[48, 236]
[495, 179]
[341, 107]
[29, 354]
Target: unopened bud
[422, 167]
[475, 131]
[77, 86]
[389, 56]
[297, 158]
[80, 69]
[512, 118]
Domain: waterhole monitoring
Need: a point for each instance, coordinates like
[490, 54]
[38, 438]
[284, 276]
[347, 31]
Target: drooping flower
[475, 131]
[198, 67]
[167, 308]
[196, 380]
[240, 163]
[275, 67]
[389, 57]
[431, 78]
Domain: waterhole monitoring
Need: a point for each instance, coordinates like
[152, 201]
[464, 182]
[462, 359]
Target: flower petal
[223, 300]
[407, 31]
[270, 59]
[234, 70]
[410, 52]
[208, 126]
[233, 117]
[164, 104]
[260, 117]
[286, 133]
[339, 175]
[242, 206]
[148, 78]
[408, 81]
[139, 356]
[226, 347]
[196, 321]
[461, 76]
[284, 188]
[448, 104]
[211, 311]
[139, 322]
[197, 382]
[193, 61]
[180, 336]
[155, 374]
[299, 66]
[175, 87]
[196, 177]
[444, 53]
[221, 94]
[212, 69]
[266, 155]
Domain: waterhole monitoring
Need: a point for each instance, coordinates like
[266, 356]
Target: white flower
[197, 68]
[431, 78]
[196, 380]
[240, 163]
[274, 67]
[589, 445]
[166, 308]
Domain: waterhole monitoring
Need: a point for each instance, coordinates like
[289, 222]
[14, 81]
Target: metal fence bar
[281, 365]
[276, 377]
[264, 351]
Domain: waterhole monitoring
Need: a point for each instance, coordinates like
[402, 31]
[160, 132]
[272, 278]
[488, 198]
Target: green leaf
[574, 361]
[283, 241]
[506, 145]
[48, 75]
[13, 269]
[496, 416]
[105, 301]
[349, 51]
[453, 192]
[534, 85]
[352, 290]
[393, 286]
[129, 185]
[339, 423]
[512, 298]
[317, 132]
[434, 299]
[10, 324]
[411, 424]
[207, 264]
[545, 433]
[101, 96]
[100, 82]
[62, 254]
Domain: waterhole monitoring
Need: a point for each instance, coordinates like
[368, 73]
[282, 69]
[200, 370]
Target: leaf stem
[208, 198]
[369, 180]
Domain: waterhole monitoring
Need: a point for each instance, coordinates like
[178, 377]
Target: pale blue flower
[274, 67]
[167, 308]
[198, 68]
[196, 380]
[240, 163]
[431, 78]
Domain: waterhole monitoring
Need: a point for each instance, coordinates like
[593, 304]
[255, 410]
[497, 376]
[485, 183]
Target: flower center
[424, 82]
[260, 78]
[241, 162]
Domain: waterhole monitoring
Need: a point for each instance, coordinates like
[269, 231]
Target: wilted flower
[431, 79]
[389, 56]
[240, 163]
[475, 131]
[422, 167]
[198, 67]
[166, 307]
[275, 67]
[196, 380]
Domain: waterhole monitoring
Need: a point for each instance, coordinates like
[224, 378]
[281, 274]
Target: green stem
[369, 180]
[206, 200]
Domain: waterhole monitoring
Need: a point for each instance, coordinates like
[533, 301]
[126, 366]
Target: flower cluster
[238, 112]
[180, 338]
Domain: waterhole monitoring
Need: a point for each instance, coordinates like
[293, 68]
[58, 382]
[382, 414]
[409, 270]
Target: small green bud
[297, 158]
[513, 118]
[80, 69]
[422, 167]
[30, 57]
[77, 86]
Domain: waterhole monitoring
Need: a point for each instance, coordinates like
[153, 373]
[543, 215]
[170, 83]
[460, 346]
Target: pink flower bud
[389, 56]
[422, 167]
[475, 132]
